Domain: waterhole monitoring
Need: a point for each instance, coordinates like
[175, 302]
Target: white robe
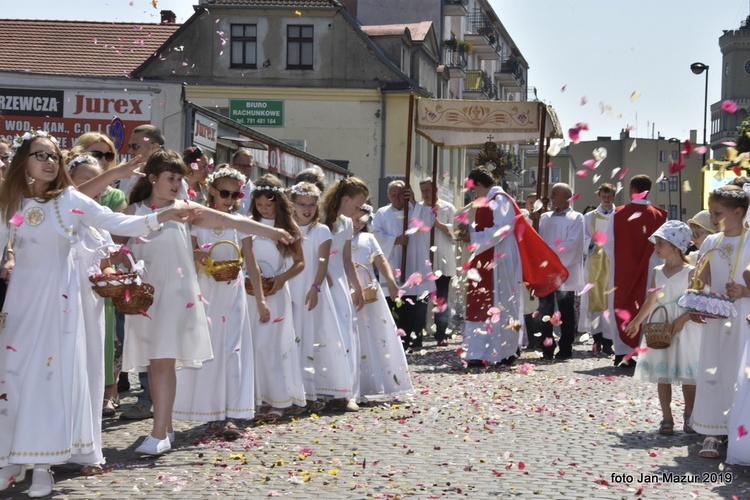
[387, 225]
[594, 322]
[565, 235]
[444, 259]
[485, 340]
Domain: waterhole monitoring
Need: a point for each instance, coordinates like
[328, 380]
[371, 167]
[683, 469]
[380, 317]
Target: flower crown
[733, 193]
[31, 134]
[366, 208]
[226, 172]
[297, 190]
[80, 160]
[268, 188]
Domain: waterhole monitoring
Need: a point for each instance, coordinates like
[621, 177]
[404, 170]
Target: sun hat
[703, 219]
[674, 231]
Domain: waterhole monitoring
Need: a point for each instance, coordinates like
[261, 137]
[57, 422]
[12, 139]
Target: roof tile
[78, 48]
[274, 3]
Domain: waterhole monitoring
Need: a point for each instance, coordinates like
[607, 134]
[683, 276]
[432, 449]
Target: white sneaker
[153, 446]
[41, 483]
[10, 475]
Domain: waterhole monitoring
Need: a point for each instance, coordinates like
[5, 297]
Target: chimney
[168, 17]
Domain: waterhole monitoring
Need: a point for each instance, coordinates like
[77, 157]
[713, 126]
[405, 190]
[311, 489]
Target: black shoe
[606, 347]
[123, 383]
[475, 363]
[563, 356]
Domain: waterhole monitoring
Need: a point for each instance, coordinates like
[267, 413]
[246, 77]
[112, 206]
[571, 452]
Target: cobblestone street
[575, 429]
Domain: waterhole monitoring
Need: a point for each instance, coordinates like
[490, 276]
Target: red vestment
[632, 254]
[480, 294]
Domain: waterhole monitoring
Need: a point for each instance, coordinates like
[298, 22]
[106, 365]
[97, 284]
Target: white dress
[93, 246]
[176, 327]
[325, 369]
[213, 391]
[343, 230]
[278, 375]
[384, 372]
[46, 408]
[722, 344]
[679, 362]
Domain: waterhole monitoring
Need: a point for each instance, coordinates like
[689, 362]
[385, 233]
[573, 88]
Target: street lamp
[698, 68]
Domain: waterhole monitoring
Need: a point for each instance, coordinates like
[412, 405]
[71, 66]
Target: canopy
[454, 123]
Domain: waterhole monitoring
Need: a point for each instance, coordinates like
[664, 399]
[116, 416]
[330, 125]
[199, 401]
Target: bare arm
[122, 171]
[253, 274]
[351, 275]
[632, 329]
[324, 252]
[385, 271]
[208, 217]
[298, 264]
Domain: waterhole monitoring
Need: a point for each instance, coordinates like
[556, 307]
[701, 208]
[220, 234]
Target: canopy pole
[410, 132]
[434, 199]
[541, 165]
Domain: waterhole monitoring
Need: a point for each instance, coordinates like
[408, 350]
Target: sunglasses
[44, 156]
[109, 155]
[225, 194]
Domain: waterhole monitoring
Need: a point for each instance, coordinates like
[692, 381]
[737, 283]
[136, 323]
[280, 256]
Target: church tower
[735, 85]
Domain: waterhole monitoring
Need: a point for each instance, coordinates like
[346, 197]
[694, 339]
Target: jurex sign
[68, 114]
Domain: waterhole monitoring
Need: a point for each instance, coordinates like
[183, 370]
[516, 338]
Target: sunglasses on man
[109, 155]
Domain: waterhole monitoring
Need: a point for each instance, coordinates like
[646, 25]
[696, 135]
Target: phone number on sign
[670, 477]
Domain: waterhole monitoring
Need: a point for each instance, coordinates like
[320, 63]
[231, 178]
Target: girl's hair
[224, 172]
[15, 187]
[682, 254]
[160, 161]
[349, 186]
[89, 138]
[313, 175]
[192, 154]
[77, 157]
[366, 208]
[731, 195]
[270, 187]
[307, 189]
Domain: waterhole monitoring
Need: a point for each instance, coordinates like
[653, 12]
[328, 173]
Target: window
[675, 155]
[662, 156]
[663, 207]
[299, 47]
[244, 39]
[672, 212]
[663, 185]
[673, 185]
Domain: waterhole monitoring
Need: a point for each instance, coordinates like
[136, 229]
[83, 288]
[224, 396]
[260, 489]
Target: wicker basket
[139, 300]
[658, 335]
[114, 284]
[224, 270]
[266, 283]
[369, 291]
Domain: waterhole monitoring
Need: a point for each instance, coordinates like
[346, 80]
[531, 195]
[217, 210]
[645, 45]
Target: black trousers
[410, 317]
[566, 306]
[442, 285]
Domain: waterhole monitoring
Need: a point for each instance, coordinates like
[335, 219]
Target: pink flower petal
[582, 173]
[574, 197]
[590, 164]
[279, 319]
[588, 287]
[639, 196]
[77, 211]
[741, 431]
[17, 219]
[599, 238]
[189, 305]
[468, 183]
[729, 106]
[623, 173]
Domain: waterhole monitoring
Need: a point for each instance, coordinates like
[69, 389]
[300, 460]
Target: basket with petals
[658, 334]
[223, 270]
[265, 283]
[370, 290]
[136, 298]
[111, 286]
[708, 304]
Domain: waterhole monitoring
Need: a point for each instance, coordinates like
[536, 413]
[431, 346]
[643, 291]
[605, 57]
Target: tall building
[735, 85]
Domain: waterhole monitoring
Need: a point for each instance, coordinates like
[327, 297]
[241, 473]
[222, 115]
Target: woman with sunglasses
[212, 392]
[103, 149]
[198, 163]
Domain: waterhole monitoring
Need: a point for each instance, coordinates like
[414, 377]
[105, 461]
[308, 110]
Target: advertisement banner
[257, 112]
[69, 114]
[205, 132]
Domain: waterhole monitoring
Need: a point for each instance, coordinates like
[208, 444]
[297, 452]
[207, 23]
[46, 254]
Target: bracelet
[148, 226]
[9, 250]
[316, 286]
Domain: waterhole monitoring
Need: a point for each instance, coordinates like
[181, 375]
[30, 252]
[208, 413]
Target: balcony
[457, 8]
[510, 74]
[479, 86]
[454, 58]
[483, 36]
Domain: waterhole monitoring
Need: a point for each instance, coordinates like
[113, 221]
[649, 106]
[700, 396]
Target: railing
[478, 81]
[480, 24]
[455, 58]
[513, 67]
[531, 94]
[456, 2]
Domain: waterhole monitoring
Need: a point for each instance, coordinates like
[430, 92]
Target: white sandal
[710, 448]
[10, 475]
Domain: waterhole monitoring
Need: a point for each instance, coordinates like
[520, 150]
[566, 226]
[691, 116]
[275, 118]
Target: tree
[743, 139]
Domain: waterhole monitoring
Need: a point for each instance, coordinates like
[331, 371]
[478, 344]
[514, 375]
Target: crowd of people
[269, 300]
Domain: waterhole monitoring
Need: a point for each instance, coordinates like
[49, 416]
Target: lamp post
[698, 68]
[679, 177]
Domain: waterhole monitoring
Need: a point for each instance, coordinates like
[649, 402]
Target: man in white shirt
[242, 161]
[144, 140]
[388, 228]
[562, 229]
[444, 257]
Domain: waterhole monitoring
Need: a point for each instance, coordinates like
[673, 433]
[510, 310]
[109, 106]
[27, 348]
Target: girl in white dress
[173, 333]
[677, 364]
[339, 204]
[278, 374]
[384, 372]
[721, 350]
[212, 392]
[46, 407]
[325, 369]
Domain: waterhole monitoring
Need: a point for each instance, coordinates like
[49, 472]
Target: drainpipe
[382, 133]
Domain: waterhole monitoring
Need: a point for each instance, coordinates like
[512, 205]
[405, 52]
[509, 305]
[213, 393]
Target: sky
[602, 52]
